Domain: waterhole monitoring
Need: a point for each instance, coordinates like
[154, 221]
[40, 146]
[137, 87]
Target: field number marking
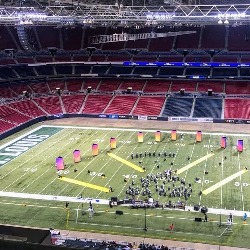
[63, 172]
[30, 170]
[95, 174]
[244, 184]
[128, 176]
[152, 143]
[207, 181]
[98, 140]
[223, 182]
[125, 142]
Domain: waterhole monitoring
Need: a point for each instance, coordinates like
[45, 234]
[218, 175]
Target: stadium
[124, 124]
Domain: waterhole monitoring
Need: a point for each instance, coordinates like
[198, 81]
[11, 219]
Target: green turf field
[27, 166]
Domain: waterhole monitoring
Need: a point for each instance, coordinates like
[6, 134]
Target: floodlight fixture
[231, 15]
[159, 16]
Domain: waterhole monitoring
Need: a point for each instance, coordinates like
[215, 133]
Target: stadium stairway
[62, 104]
[111, 100]
[73, 103]
[121, 104]
[83, 104]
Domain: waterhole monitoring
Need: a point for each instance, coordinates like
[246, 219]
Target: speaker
[89, 88]
[182, 92]
[110, 204]
[196, 207]
[209, 92]
[114, 199]
[119, 212]
[26, 94]
[58, 91]
[204, 210]
[129, 90]
[198, 219]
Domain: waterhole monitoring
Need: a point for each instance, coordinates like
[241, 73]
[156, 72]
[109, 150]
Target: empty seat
[178, 107]
[237, 108]
[156, 86]
[136, 85]
[216, 86]
[95, 104]
[50, 104]
[208, 107]
[149, 105]
[121, 105]
[74, 85]
[189, 86]
[73, 103]
[27, 107]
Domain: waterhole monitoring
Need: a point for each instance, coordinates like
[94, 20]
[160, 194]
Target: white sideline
[106, 202]
[53, 197]
[144, 130]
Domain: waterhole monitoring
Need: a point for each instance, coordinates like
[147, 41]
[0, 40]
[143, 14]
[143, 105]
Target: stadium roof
[138, 13]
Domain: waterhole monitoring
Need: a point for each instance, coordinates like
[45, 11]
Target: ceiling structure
[125, 13]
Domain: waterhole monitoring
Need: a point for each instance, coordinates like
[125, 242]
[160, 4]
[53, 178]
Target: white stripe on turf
[144, 130]
[52, 197]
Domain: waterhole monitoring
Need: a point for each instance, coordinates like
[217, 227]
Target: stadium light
[159, 16]
[37, 16]
[25, 22]
[231, 15]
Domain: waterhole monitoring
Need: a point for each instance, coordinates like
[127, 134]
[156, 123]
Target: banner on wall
[102, 116]
[152, 118]
[188, 119]
[113, 116]
[133, 117]
[142, 117]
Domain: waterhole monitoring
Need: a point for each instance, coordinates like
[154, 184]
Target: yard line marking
[118, 169]
[66, 156]
[33, 156]
[48, 156]
[93, 158]
[223, 182]
[241, 189]
[25, 145]
[85, 184]
[192, 164]
[130, 164]
[18, 167]
[203, 178]
[222, 174]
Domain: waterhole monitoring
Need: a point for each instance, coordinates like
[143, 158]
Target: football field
[169, 171]
[28, 166]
